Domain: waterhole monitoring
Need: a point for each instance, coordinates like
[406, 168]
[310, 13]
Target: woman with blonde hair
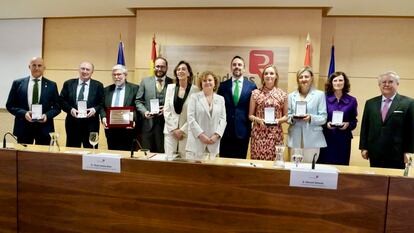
[305, 127]
[266, 135]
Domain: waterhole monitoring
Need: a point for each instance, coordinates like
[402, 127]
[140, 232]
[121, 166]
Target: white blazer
[172, 119]
[310, 132]
[200, 121]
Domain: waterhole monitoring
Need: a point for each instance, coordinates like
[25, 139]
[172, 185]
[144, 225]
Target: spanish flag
[308, 60]
[153, 55]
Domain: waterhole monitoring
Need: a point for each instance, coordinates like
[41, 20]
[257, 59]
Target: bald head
[37, 67]
[85, 70]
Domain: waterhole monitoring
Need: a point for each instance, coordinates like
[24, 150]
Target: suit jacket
[68, 99]
[172, 119]
[146, 92]
[17, 104]
[129, 100]
[310, 131]
[200, 120]
[388, 140]
[238, 122]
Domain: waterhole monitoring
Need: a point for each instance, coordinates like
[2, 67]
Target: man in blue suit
[34, 89]
[236, 92]
[79, 89]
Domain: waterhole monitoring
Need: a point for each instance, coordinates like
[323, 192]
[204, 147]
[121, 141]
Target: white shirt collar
[87, 82]
[240, 79]
[392, 98]
[39, 78]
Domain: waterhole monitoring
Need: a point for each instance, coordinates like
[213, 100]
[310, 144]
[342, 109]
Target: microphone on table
[134, 143]
[4, 138]
[314, 161]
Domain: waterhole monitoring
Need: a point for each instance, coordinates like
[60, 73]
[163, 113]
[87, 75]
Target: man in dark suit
[153, 87]
[75, 91]
[387, 125]
[25, 92]
[236, 92]
[119, 94]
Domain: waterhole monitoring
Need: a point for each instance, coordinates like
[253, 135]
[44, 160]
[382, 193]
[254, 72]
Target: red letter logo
[259, 59]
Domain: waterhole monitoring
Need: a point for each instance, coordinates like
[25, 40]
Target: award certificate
[120, 117]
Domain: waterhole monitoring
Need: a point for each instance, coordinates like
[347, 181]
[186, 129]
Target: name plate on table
[102, 162]
[120, 117]
[307, 178]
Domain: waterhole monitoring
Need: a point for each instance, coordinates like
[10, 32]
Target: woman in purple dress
[338, 137]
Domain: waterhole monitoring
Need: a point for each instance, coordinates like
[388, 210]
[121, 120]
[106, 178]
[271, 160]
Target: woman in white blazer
[206, 117]
[306, 131]
[175, 109]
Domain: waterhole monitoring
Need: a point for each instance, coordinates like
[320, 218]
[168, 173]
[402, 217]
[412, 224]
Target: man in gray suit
[153, 88]
[119, 94]
[387, 125]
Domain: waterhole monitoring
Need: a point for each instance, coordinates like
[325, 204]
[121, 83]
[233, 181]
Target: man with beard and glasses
[236, 92]
[150, 90]
[119, 94]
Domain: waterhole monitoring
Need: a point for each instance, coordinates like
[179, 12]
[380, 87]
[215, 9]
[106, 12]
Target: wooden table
[56, 195]
[49, 192]
[8, 191]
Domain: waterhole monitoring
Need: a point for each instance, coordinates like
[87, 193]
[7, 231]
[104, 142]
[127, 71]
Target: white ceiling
[80, 8]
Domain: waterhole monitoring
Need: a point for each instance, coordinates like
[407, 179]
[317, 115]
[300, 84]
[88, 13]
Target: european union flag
[332, 63]
[121, 58]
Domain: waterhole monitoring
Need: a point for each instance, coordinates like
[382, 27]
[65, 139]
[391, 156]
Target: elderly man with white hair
[119, 94]
[387, 125]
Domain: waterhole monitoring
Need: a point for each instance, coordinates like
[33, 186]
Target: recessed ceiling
[89, 8]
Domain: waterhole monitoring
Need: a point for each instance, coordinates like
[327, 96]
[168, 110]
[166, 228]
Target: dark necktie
[81, 92]
[35, 97]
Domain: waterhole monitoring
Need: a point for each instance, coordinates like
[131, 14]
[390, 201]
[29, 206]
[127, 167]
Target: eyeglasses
[159, 67]
[389, 82]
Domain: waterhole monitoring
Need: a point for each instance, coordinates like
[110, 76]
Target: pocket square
[398, 112]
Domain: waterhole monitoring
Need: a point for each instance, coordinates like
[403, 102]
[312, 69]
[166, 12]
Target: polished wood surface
[400, 205]
[8, 191]
[56, 195]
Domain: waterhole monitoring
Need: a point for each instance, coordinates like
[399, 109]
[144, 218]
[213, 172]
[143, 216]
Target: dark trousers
[34, 132]
[78, 130]
[120, 139]
[154, 138]
[233, 147]
[387, 163]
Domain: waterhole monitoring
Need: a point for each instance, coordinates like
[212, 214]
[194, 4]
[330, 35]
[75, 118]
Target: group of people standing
[206, 116]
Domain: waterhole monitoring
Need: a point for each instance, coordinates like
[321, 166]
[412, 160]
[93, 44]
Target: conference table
[42, 191]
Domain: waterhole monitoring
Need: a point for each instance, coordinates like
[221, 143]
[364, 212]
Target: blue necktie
[117, 96]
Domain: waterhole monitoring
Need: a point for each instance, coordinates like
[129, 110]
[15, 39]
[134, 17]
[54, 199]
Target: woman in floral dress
[266, 135]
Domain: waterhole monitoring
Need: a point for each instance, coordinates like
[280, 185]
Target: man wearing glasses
[150, 102]
[387, 125]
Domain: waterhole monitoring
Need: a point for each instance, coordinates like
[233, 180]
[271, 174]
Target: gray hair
[122, 68]
[391, 74]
